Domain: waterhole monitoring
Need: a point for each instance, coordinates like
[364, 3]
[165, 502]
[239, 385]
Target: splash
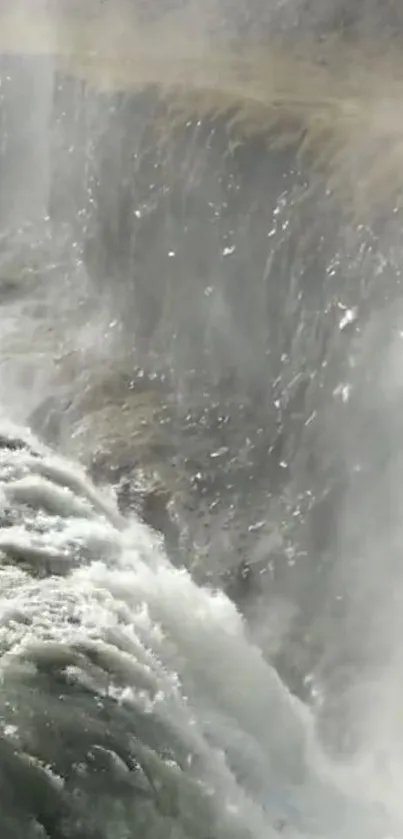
[132, 699]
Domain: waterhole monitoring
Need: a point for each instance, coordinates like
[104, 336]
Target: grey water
[133, 702]
[199, 636]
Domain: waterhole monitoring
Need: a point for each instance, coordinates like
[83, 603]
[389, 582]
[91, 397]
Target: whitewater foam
[131, 699]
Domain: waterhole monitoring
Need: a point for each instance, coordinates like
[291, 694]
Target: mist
[200, 279]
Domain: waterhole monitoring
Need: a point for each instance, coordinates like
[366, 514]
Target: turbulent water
[200, 297]
[132, 701]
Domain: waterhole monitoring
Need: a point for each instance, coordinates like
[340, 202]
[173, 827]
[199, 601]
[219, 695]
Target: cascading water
[132, 700]
[200, 251]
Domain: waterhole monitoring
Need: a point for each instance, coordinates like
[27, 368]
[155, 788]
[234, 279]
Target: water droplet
[349, 316]
[257, 526]
[223, 450]
[344, 391]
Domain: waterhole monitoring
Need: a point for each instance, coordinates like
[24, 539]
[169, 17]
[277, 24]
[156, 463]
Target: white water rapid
[132, 702]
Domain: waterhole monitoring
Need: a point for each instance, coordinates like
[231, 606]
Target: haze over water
[200, 271]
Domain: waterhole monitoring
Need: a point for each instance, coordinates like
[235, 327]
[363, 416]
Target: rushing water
[211, 324]
[132, 701]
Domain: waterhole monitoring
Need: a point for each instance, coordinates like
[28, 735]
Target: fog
[208, 198]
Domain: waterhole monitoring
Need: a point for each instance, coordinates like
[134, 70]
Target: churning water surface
[132, 701]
